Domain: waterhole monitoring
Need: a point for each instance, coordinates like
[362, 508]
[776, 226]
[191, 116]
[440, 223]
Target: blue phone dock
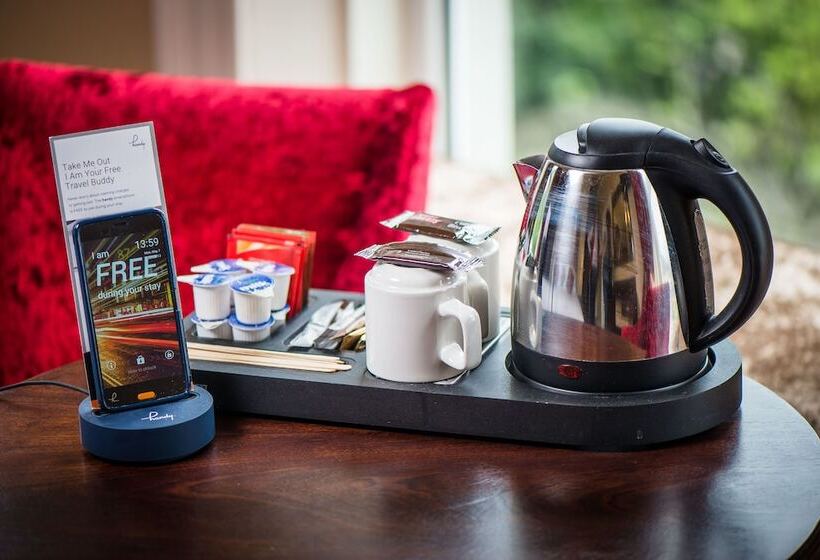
[151, 434]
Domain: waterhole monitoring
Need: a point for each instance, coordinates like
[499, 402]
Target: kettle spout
[526, 170]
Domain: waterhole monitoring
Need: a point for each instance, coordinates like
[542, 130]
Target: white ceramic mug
[484, 299]
[419, 326]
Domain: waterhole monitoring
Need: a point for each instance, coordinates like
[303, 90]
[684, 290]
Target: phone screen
[133, 309]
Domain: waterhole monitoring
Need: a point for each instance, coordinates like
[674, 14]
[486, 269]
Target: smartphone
[136, 338]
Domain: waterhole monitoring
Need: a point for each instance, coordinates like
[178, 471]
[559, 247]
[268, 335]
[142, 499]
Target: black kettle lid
[608, 143]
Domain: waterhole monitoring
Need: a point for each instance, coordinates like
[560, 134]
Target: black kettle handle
[682, 170]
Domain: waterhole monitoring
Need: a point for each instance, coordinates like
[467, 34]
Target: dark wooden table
[279, 488]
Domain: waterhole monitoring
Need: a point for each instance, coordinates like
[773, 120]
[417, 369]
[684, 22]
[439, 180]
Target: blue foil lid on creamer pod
[205, 280]
[254, 285]
[207, 324]
[243, 332]
[234, 322]
[210, 280]
[220, 266]
[218, 329]
[275, 269]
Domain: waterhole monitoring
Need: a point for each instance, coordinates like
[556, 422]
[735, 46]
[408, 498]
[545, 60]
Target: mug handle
[478, 296]
[452, 354]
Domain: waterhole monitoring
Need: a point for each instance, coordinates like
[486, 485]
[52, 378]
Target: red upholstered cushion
[334, 161]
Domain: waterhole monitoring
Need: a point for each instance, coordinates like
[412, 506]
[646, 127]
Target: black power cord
[44, 382]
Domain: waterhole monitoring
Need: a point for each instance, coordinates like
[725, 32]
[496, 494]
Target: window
[744, 74]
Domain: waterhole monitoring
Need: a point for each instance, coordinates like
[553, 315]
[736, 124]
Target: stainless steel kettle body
[612, 286]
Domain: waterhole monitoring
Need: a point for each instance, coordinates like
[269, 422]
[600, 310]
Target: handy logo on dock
[153, 416]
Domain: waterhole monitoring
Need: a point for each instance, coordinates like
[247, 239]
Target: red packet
[291, 247]
[304, 238]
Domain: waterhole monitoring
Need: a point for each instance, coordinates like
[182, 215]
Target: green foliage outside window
[746, 74]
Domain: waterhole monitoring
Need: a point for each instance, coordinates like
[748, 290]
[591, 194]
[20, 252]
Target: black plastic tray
[487, 402]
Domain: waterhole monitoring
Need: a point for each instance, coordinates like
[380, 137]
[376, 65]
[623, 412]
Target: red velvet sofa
[333, 161]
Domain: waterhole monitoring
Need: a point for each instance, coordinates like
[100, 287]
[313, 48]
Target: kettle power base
[488, 402]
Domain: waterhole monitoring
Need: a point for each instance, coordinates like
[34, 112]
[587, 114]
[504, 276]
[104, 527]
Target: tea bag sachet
[422, 255]
[443, 228]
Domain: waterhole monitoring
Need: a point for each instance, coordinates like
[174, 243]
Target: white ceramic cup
[419, 328]
[488, 306]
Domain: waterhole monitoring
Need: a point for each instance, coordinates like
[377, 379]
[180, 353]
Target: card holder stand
[489, 401]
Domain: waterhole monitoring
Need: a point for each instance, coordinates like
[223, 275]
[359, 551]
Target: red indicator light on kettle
[569, 371]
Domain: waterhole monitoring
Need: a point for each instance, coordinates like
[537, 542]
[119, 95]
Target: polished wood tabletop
[279, 488]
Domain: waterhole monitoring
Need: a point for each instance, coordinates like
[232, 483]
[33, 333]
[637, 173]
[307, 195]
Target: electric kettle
[612, 287]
